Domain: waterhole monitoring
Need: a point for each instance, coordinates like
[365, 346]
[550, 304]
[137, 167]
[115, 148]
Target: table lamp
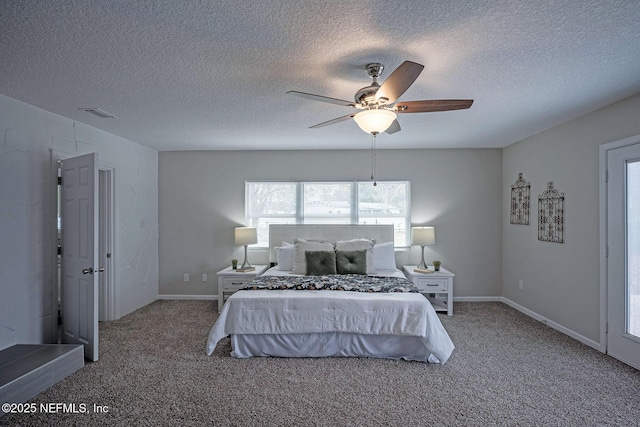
[423, 236]
[246, 236]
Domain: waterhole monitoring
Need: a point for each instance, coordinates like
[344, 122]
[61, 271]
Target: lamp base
[422, 265]
[245, 264]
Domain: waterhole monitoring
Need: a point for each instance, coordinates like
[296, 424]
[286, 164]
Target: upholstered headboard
[331, 232]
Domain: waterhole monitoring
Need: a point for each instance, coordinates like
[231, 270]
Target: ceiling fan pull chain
[372, 156]
[373, 159]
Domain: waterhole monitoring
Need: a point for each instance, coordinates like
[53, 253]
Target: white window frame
[354, 214]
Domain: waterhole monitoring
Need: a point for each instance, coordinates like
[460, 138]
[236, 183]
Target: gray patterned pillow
[320, 263]
[351, 262]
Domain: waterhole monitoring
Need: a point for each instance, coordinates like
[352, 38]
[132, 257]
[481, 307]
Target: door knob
[87, 270]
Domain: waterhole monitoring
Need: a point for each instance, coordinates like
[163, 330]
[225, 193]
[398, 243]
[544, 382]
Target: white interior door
[623, 265]
[80, 253]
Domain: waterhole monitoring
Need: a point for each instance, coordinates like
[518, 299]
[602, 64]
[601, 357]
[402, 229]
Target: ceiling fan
[378, 102]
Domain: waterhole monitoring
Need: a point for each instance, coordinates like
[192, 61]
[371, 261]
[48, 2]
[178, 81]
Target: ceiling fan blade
[322, 98]
[333, 121]
[399, 81]
[432, 105]
[395, 127]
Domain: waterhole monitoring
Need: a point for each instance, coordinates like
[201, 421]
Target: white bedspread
[295, 312]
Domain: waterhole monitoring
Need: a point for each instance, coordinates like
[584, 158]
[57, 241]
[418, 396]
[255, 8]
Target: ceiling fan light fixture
[375, 121]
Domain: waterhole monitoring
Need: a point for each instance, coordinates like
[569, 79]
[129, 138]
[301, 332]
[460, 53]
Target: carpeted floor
[507, 370]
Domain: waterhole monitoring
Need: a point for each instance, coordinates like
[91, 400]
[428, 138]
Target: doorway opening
[105, 245]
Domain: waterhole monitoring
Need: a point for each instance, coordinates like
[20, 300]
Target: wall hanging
[551, 215]
[520, 201]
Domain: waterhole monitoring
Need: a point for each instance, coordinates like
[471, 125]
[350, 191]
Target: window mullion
[300, 203]
[407, 214]
[354, 202]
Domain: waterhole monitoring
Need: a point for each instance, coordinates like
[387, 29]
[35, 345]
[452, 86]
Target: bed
[285, 313]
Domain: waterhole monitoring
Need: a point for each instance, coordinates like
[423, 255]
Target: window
[270, 203]
[328, 203]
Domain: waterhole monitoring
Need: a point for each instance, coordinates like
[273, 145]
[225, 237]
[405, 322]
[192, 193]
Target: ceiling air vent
[98, 112]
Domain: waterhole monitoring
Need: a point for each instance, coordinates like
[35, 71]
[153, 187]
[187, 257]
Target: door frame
[604, 251]
[109, 292]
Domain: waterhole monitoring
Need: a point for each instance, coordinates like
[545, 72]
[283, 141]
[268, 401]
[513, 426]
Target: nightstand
[437, 287]
[230, 281]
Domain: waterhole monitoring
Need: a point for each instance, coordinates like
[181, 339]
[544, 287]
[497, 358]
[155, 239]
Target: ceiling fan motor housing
[366, 95]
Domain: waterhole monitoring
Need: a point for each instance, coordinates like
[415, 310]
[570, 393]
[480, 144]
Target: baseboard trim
[587, 341]
[188, 297]
[478, 299]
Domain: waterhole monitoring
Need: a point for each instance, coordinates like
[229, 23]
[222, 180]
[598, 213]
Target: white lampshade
[423, 236]
[246, 236]
[375, 121]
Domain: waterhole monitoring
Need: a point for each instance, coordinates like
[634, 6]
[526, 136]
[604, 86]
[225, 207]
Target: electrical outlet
[520, 284]
[204, 277]
[186, 277]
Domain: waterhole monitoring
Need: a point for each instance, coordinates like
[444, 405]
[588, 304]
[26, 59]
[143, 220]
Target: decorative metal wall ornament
[551, 215]
[520, 201]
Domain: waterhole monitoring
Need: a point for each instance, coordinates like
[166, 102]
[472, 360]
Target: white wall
[561, 281]
[30, 137]
[201, 200]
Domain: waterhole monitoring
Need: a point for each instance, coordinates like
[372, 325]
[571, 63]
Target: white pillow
[358, 245]
[284, 258]
[384, 257]
[301, 246]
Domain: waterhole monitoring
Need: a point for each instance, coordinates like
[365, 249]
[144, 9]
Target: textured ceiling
[213, 75]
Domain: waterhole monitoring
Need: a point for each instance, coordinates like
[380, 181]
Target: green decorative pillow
[320, 263]
[351, 262]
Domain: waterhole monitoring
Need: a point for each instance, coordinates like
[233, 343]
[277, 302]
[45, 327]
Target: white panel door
[80, 253]
[623, 265]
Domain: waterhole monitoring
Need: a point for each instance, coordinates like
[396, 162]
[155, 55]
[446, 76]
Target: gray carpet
[507, 370]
